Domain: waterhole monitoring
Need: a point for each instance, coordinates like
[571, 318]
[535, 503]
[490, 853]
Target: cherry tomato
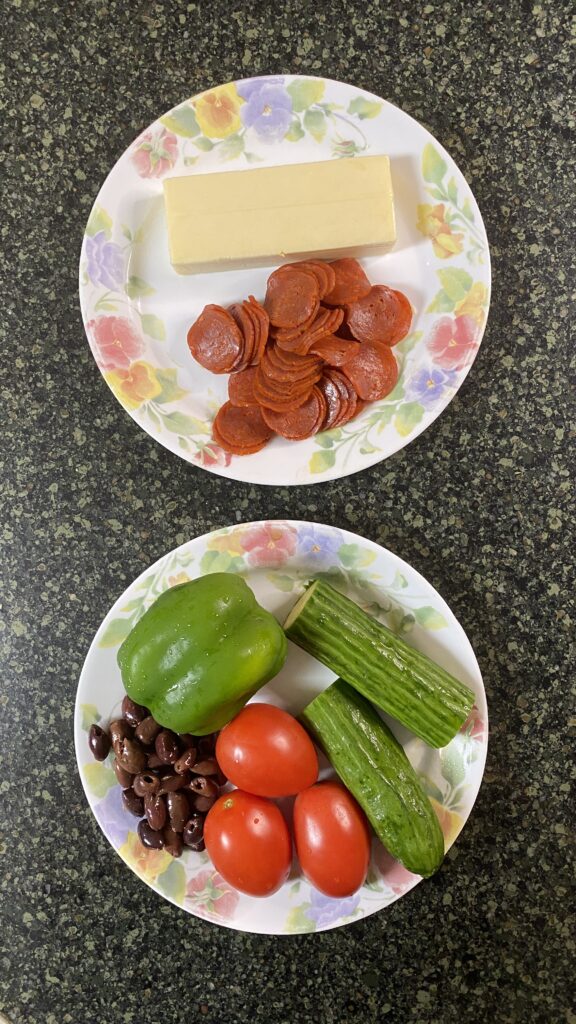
[249, 842]
[266, 751]
[332, 839]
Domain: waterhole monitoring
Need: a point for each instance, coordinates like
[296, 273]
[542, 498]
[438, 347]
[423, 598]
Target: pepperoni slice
[326, 322]
[333, 400]
[290, 334]
[241, 388]
[292, 296]
[405, 318]
[296, 424]
[285, 375]
[373, 371]
[380, 316]
[350, 283]
[235, 449]
[334, 351]
[259, 313]
[242, 428]
[215, 340]
[246, 324]
[322, 271]
[347, 396]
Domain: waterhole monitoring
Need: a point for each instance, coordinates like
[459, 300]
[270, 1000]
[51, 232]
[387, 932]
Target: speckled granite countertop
[480, 503]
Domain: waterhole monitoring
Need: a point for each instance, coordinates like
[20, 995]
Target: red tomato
[266, 751]
[249, 842]
[332, 839]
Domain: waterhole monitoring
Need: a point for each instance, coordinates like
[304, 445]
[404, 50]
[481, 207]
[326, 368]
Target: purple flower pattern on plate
[247, 88]
[113, 817]
[268, 109]
[105, 261]
[318, 544]
[428, 385]
[325, 911]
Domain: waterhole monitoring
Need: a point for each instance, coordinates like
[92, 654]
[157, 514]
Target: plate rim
[79, 733]
[399, 442]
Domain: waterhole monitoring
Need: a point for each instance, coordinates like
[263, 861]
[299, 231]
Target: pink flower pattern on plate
[211, 895]
[474, 726]
[453, 341]
[212, 455]
[270, 545]
[155, 153]
[116, 342]
[394, 874]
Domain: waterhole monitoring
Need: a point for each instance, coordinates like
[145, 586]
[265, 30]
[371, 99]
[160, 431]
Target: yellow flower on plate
[474, 303]
[147, 864]
[181, 577]
[432, 223]
[218, 111]
[450, 822]
[229, 543]
[135, 385]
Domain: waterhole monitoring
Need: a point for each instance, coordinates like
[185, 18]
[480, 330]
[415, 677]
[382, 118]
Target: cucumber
[394, 676]
[374, 767]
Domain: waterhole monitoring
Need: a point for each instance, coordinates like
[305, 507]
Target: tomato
[249, 842]
[332, 839]
[266, 751]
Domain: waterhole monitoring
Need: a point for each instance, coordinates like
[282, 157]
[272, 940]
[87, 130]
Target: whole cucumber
[374, 767]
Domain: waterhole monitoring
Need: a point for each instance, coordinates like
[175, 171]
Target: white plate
[277, 558]
[137, 310]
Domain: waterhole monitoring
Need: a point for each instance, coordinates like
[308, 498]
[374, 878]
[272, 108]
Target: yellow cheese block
[258, 217]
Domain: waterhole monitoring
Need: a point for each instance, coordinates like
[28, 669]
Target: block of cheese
[262, 216]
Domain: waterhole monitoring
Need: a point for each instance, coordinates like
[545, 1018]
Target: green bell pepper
[200, 652]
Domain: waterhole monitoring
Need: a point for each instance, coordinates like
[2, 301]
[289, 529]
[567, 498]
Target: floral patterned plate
[277, 558]
[137, 310]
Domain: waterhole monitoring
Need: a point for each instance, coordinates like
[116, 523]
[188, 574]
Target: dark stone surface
[481, 504]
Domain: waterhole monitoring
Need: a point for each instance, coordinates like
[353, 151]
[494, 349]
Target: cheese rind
[256, 217]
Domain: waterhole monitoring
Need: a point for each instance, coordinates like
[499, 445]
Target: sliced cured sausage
[383, 315]
[215, 340]
[241, 388]
[241, 428]
[296, 424]
[350, 283]
[333, 350]
[372, 371]
[292, 296]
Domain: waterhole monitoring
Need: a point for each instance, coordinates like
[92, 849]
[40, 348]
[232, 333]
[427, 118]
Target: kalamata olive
[203, 786]
[148, 837]
[133, 713]
[130, 755]
[193, 830]
[178, 809]
[99, 742]
[133, 803]
[155, 811]
[206, 744]
[119, 730]
[203, 803]
[124, 778]
[146, 783]
[153, 761]
[170, 782]
[185, 762]
[209, 766]
[147, 730]
[172, 842]
[167, 746]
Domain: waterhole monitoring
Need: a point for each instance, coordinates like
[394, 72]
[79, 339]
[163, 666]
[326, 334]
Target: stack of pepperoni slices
[306, 360]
